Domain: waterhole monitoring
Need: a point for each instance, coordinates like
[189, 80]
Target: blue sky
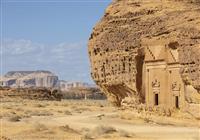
[49, 35]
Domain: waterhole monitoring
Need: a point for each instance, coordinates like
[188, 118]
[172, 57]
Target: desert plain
[25, 119]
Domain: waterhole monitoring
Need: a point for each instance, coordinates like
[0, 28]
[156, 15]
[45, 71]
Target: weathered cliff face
[117, 40]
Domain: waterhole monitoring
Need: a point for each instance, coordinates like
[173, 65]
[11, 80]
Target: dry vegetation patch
[45, 120]
[4, 138]
[67, 112]
[15, 118]
[67, 128]
[100, 131]
[40, 127]
[40, 113]
[107, 132]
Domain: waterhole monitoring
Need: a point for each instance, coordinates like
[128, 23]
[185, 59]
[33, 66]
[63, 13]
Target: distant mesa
[25, 79]
[45, 85]
[15, 73]
[39, 78]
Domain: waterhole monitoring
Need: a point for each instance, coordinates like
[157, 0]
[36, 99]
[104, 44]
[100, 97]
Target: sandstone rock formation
[29, 79]
[117, 42]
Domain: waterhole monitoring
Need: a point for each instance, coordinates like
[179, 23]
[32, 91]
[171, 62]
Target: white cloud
[69, 60]
[70, 51]
[67, 47]
[19, 47]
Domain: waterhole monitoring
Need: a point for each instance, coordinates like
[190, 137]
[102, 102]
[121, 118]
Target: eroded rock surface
[117, 40]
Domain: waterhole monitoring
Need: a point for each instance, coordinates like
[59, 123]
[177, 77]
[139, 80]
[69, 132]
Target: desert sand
[89, 119]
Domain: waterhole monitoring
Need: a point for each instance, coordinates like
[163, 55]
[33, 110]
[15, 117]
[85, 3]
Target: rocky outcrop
[31, 93]
[29, 79]
[115, 46]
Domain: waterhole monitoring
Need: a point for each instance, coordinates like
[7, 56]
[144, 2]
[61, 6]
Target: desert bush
[82, 109]
[65, 104]
[99, 131]
[40, 127]
[15, 118]
[56, 104]
[126, 117]
[4, 138]
[40, 105]
[67, 112]
[6, 114]
[60, 111]
[126, 134]
[83, 130]
[46, 130]
[27, 112]
[40, 113]
[100, 116]
[66, 128]
[147, 120]
[7, 107]
[19, 109]
[104, 130]
[13, 112]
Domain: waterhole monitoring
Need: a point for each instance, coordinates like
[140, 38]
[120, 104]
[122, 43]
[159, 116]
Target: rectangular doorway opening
[156, 99]
[177, 102]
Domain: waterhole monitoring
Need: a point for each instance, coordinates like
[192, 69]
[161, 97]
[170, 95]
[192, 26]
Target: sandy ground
[82, 120]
